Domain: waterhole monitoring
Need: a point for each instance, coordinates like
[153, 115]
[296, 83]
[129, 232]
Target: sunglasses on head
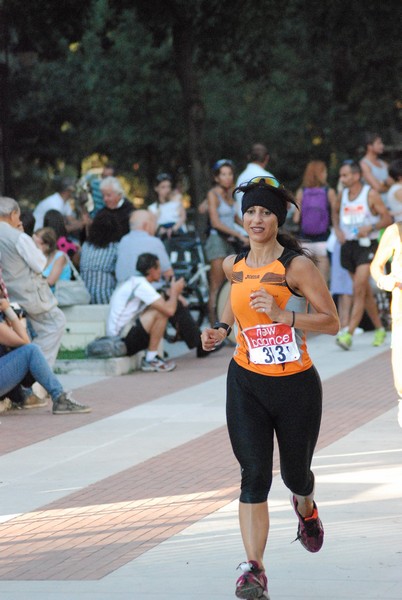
[260, 181]
[222, 163]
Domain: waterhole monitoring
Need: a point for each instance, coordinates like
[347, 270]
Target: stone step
[99, 366]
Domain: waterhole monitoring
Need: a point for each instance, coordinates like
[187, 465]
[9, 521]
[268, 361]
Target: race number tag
[271, 344]
[353, 215]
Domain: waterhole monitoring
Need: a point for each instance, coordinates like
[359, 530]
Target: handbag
[73, 291]
[106, 347]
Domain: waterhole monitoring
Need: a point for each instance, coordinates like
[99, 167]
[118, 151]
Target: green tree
[162, 85]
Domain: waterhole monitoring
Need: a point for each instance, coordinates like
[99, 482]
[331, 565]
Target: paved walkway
[138, 500]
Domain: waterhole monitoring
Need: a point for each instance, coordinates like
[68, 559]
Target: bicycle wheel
[221, 299]
[196, 303]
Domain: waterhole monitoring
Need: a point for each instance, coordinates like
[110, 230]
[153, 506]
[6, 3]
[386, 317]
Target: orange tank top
[262, 346]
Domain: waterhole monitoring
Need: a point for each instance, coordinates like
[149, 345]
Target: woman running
[272, 385]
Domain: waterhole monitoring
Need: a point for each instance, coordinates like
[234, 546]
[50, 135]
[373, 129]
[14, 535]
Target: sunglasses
[260, 181]
[221, 163]
[272, 181]
[349, 161]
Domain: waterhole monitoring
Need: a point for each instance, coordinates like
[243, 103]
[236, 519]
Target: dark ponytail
[287, 240]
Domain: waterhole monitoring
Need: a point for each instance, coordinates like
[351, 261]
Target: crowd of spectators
[121, 251]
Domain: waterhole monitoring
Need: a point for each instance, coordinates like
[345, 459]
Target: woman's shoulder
[215, 192]
[296, 262]
[228, 264]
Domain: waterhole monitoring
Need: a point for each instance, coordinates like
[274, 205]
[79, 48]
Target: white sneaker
[157, 365]
[400, 412]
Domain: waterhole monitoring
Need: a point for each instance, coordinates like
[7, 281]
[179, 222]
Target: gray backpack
[106, 347]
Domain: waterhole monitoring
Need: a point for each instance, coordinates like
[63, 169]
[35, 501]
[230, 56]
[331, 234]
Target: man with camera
[139, 314]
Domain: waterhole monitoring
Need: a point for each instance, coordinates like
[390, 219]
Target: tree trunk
[194, 113]
[5, 171]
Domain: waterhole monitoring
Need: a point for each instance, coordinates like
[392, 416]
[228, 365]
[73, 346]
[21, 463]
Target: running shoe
[379, 336]
[344, 340]
[400, 412]
[253, 583]
[310, 531]
[157, 365]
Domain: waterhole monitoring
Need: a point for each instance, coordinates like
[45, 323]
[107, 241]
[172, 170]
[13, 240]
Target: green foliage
[306, 78]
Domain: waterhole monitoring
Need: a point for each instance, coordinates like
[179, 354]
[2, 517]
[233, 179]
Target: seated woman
[170, 212]
[99, 256]
[54, 219]
[58, 266]
[25, 360]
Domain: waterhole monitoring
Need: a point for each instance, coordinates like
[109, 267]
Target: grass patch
[77, 354]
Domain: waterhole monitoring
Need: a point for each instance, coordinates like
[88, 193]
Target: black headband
[266, 197]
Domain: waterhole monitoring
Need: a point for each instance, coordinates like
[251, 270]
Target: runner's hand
[263, 302]
[210, 338]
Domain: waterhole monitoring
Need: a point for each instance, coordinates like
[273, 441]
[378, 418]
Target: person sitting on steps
[139, 314]
[26, 363]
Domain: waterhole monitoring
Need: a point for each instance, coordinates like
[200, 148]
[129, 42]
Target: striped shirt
[98, 270]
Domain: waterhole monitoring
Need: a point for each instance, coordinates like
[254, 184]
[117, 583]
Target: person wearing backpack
[315, 199]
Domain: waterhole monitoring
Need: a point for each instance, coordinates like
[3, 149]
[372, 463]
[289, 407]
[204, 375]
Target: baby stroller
[188, 261]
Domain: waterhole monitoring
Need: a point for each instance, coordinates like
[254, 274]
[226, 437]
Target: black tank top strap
[242, 254]
[287, 256]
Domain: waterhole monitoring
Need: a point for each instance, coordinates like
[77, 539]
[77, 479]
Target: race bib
[271, 344]
[353, 215]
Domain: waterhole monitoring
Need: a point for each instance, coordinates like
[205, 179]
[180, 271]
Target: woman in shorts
[223, 236]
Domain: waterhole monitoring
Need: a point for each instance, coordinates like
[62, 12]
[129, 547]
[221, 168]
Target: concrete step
[99, 366]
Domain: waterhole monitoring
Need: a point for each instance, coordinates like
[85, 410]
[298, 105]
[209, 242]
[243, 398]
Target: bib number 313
[271, 344]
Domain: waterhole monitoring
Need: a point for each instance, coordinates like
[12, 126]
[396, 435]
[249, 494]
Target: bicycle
[188, 261]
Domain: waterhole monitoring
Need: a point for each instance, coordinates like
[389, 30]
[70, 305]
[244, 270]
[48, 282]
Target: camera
[18, 310]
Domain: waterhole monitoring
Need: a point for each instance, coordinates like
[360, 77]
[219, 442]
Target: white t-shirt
[53, 202]
[168, 212]
[128, 301]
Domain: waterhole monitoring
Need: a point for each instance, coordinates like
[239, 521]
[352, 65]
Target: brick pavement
[108, 397]
[92, 532]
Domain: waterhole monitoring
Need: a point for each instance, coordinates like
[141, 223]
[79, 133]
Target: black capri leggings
[259, 405]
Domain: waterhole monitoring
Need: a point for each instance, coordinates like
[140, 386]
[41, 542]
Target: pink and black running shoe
[310, 532]
[252, 583]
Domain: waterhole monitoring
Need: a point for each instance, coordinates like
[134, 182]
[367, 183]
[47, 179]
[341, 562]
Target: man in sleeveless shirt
[374, 169]
[359, 215]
